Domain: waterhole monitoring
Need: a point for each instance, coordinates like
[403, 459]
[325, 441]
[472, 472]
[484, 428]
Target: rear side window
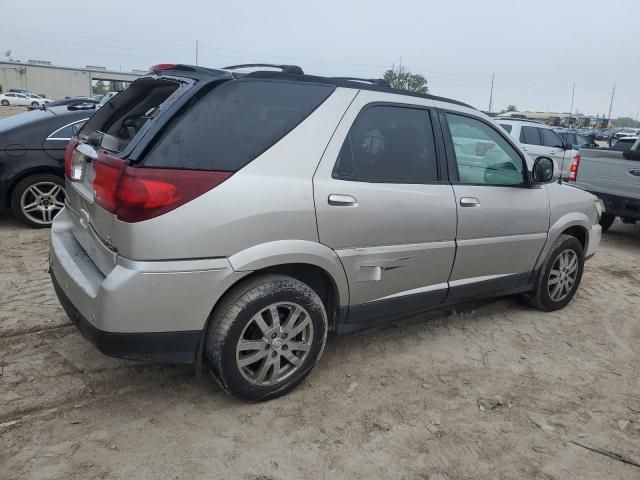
[506, 127]
[389, 144]
[530, 136]
[550, 138]
[234, 123]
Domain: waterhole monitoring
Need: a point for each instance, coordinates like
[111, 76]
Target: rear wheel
[35, 104]
[560, 275]
[37, 199]
[606, 220]
[265, 337]
[4, 103]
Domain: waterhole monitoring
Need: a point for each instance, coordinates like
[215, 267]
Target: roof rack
[517, 119]
[284, 68]
[380, 82]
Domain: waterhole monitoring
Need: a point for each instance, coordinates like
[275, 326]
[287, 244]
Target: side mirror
[545, 170]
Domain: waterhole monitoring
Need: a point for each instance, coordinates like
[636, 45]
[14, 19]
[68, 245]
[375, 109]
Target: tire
[35, 104]
[4, 103]
[543, 296]
[233, 323]
[45, 208]
[606, 221]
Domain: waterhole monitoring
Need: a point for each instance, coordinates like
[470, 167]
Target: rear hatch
[166, 140]
[110, 143]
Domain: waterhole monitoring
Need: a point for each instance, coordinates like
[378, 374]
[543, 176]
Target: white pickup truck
[613, 175]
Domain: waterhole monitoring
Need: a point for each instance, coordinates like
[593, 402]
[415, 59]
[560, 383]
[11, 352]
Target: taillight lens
[135, 194]
[573, 171]
[68, 153]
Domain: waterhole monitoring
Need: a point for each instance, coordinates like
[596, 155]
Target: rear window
[530, 136]
[234, 123]
[624, 144]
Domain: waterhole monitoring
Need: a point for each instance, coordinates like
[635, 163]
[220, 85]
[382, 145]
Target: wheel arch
[575, 224]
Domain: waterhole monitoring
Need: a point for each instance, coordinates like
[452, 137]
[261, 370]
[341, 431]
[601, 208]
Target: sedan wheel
[4, 103]
[37, 199]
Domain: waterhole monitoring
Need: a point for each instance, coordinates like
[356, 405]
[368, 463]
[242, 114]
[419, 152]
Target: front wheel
[560, 275]
[4, 103]
[606, 221]
[265, 336]
[35, 104]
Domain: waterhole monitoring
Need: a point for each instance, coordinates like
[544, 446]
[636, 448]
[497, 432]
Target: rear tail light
[135, 194]
[573, 171]
[68, 153]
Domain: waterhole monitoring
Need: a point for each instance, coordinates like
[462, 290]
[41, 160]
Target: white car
[37, 100]
[540, 140]
[13, 99]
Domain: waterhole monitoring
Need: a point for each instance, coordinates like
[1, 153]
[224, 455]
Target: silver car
[232, 219]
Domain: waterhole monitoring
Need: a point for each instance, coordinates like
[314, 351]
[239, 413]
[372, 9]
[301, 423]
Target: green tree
[405, 80]
[100, 88]
[625, 122]
[511, 108]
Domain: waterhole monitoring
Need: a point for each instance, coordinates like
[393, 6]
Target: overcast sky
[537, 49]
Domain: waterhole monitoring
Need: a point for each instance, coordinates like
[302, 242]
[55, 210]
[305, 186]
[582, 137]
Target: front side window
[389, 144]
[483, 156]
[550, 138]
[530, 136]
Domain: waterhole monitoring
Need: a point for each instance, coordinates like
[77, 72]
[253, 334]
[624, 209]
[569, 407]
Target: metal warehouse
[57, 82]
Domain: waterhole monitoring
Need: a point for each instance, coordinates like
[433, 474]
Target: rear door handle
[469, 202]
[338, 200]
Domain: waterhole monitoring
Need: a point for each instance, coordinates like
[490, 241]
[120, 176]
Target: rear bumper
[620, 206]
[144, 310]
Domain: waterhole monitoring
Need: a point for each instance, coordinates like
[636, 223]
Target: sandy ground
[8, 111]
[395, 402]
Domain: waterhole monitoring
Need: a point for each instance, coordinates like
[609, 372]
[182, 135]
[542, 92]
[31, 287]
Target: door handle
[469, 202]
[338, 200]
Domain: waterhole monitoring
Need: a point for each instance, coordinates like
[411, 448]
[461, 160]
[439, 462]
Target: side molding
[282, 252]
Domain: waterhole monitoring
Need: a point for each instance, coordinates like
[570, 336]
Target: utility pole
[491, 94]
[573, 91]
[196, 53]
[611, 105]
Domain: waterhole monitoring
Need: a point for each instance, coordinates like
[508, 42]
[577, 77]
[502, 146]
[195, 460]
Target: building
[55, 82]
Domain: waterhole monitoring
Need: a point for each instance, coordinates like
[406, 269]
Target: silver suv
[233, 219]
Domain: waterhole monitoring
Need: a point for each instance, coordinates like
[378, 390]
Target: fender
[282, 252]
[573, 219]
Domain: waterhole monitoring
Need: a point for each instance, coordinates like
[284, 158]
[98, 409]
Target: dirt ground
[395, 402]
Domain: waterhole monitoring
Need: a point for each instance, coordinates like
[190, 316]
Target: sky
[536, 49]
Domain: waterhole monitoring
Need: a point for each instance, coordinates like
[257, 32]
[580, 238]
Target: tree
[510, 108]
[625, 122]
[100, 88]
[405, 80]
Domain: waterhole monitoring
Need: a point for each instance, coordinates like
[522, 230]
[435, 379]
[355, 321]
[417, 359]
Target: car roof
[523, 121]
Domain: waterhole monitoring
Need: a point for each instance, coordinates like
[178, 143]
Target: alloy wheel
[563, 274]
[274, 344]
[42, 201]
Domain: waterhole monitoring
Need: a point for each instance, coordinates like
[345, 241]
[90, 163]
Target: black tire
[4, 103]
[24, 185]
[540, 297]
[606, 221]
[35, 104]
[234, 314]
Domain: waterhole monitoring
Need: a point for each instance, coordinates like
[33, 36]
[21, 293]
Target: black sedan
[32, 146]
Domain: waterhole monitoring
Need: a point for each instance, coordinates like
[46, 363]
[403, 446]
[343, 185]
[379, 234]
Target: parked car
[538, 139]
[39, 101]
[576, 140]
[20, 90]
[625, 132]
[613, 175]
[32, 146]
[15, 99]
[73, 102]
[234, 219]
